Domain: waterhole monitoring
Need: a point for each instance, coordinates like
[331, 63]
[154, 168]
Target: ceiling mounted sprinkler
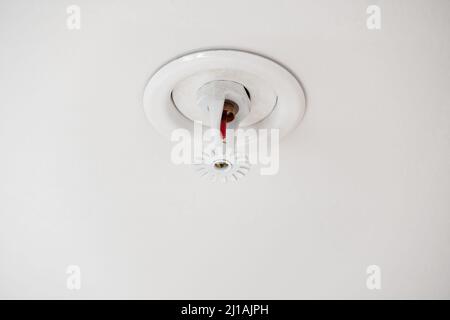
[225, 103]
[224, 90]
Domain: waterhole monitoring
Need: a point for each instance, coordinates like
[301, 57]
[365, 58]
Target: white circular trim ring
[165, 117]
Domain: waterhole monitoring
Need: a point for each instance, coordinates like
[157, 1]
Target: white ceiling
[85, 179]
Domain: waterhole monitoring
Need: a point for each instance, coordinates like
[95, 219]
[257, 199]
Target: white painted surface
[86, 181]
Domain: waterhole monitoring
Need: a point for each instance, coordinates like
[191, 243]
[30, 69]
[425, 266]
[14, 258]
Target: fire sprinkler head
[224, 89]
[225, 104]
